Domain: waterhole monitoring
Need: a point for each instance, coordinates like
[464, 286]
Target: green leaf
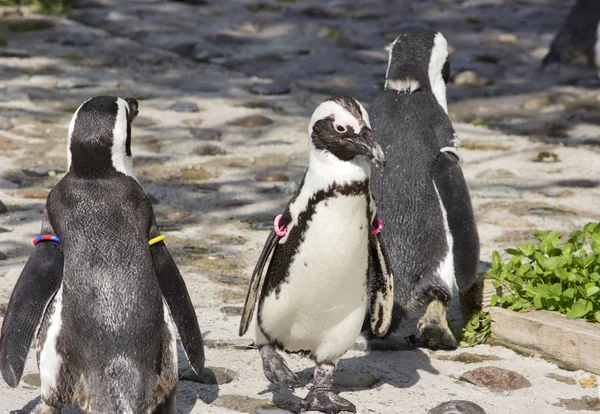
[514, 252]
[496, 261]
[578, 310]
[527, 248]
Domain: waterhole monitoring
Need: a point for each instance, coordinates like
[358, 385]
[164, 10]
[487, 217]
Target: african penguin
[101, 284]
[323, 265]
[579, 35]
[431, 235]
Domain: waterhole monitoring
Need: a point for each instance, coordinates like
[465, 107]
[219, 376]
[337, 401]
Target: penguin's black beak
[367, 146]
[133, 108]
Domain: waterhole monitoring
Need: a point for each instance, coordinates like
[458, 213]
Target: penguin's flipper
[38, 283]
[454, 195]
[256, 282]
[178, 300]
[381, 286]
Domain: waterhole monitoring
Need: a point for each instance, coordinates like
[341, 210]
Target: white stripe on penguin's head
[387, 71]
[121, 160]
[70, 134]
[439, 55]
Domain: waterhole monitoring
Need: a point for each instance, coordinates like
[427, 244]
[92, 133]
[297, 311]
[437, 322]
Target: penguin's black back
[412, 129]
[111, 301]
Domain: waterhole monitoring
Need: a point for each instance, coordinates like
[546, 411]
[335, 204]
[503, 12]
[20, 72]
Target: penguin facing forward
[324, 263]
[100, 283]
[431, 235]
[579, 36]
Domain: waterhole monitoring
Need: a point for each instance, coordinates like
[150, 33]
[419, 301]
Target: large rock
[496, 379]
[457, 407]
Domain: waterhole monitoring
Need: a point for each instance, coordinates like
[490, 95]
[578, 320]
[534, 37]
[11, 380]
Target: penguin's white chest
[321, 305]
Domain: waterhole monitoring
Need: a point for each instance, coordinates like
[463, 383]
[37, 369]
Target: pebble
[205, 52]
[251, 121]
[210, 375]
[32, 379]
[143, 121]
[321, 12]
[273, 88]
[496, 379]
[3, 256]
[353, 379]
[3, 208]
[77, 41]
[178, 216]
[209, 149]
[34, 192]
[74, 83]
[508, 38]
[271, 177]
[14, 53]
[537, 103]
[457, 407]
[206, 134]
[562, 378]
[230, 280]
[43, 171]
[5, 123]
[183, 106]
[232, 310]
[470, 78]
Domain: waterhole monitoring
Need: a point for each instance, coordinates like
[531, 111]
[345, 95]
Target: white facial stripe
[340, 114]
[70, 134]
[364, 113]
[120, 160]
[439, 54]
[387, 71]
[403, 85]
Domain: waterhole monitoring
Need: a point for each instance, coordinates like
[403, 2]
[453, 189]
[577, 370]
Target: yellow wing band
[156, 240]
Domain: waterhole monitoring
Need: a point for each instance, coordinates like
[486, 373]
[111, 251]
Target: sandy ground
[216, 185]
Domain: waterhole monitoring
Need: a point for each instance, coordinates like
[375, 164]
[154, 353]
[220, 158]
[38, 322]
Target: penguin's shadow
[397, 368]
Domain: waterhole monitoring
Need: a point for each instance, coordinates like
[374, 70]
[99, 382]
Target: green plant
[558, 277]
[477, 330]
[482, 121]
[44, 6]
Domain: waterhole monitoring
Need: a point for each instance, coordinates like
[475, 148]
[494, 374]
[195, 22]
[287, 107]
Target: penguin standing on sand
[324, 263]
[100, 283]
[579, 36]
[431, 235]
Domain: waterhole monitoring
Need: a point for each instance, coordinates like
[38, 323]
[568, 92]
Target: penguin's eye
[340, 128]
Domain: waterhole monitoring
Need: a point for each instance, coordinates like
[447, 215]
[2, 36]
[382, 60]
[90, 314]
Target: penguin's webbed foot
[275, 368]
[432, 330]
[326, 401]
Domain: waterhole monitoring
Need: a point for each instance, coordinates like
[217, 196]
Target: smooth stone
[496, 379]
[14, 53]
[251, 121]
[34, 193]
[183, 106]
[370, 56]
[178, 216]
[272, 177]
[273, 88]
[3, 256]
[232, 310]
[537, 103]
[229, 39]
[230, 280]
[4, 230]
[206, 134]
[353, 379]
[3, 208]
[73, 83]
[210, 375]
[5, 123]
[143, 121]
[77, 41]
[470, 78]
[508, 38]
[321, 12]
[346, 43]
[457, 407]
[11, 93]
[43, 170]
[204, 52]
[289, 187]
[562, 378]
[209, 149]
[32, 379]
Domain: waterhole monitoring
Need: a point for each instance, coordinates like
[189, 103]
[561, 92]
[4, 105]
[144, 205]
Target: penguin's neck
[325, 169]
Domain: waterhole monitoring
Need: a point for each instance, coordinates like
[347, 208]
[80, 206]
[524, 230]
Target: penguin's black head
[418, 60]
[100, 136]
[340, 126]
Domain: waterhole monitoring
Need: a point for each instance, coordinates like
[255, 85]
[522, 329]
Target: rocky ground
[226, 89]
